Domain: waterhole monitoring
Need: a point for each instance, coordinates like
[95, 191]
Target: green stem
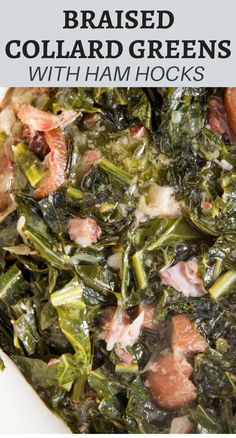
[223, 285]
[116, 171]
[75, 193]
[124, 368]
[137, 262]
[78, 392]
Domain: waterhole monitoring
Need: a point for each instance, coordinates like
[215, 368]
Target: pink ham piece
[230, 106]
[41, 90]
[56, 160]
[138, 132]
[52, 362]
[205, 205]
[168, 382]
[149, 312]
[184, 277]
[124, 355]
[109, 321]
[185, 339]
[37, 119]
[7, 212]
[217, 116]
[5, 201]
[119, 331]
[84, 232]
[44, 121]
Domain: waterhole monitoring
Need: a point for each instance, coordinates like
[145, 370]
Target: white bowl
[22, 411]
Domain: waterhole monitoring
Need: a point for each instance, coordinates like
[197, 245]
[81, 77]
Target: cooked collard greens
[118, 255]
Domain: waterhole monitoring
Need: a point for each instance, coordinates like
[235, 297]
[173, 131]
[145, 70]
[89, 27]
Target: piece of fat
[31, 415]
[181, 425]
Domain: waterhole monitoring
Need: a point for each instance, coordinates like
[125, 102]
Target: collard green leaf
[146, 231]
[13, 285]
[98, 278]
[142, 416]
[55, 212]
[69, 368]
[37, 371]
[49, 253]
[29, 208]
[111, 409]
[139, 106]
[184, 118]
[48, 316]
[61, 372]
[177, 230]
[218, 258]
[207, 422]
[74, 98]
[73, 136]
[26, 330]
[110, 96]
[105, 382]
[72, 318]
[8, 231]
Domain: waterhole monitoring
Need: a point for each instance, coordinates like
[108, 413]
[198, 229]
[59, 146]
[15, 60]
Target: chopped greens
[31, 166]
[118, 255]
